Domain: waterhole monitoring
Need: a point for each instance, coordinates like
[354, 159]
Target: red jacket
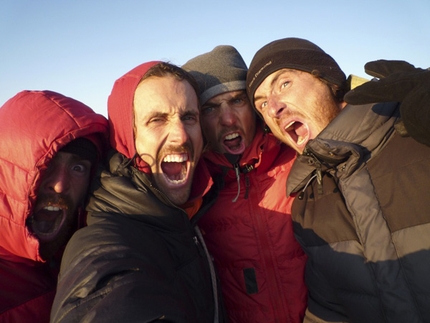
[34, 125]
[260, 264]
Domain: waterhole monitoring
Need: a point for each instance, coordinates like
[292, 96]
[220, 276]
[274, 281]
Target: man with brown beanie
[360, 182]
[49, 146]
[142, 258]
[247, 232]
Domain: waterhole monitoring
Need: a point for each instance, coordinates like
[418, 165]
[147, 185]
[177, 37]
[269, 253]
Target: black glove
[401, 82]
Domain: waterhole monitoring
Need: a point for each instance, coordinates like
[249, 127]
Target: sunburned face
[167, 133]
[228, 122]
[296, 106]
[62, 191]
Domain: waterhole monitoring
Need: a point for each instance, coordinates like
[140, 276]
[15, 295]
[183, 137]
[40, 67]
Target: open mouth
[298, 132]
[234, 144]
[175, 168]
[47, 221]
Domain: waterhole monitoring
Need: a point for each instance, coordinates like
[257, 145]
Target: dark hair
[164, 69]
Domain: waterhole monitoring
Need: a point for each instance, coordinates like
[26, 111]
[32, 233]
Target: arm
[108, 277]
[401, 82]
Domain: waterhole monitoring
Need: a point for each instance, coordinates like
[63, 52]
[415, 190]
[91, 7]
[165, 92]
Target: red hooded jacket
[34, 126]
[260, 264]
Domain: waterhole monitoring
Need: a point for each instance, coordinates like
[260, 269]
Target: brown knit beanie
[218, 71]
[294, 53]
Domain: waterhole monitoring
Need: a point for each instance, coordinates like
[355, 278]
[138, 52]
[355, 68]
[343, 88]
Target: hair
[164, 69]
[337, 91]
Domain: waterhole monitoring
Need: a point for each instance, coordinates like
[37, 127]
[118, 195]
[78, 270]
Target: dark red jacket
[34, 126]
[260, 264]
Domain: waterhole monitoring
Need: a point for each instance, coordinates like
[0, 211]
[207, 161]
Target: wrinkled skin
[296, 106]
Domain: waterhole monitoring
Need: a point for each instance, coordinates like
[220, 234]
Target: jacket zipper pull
[302, 193]
[319, 179]
[197, 243]
[247, 185]
[237, 171]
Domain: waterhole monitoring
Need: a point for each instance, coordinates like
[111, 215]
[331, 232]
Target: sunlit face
[167, 133]
[296, 106]
[228, 122]
[62, 191]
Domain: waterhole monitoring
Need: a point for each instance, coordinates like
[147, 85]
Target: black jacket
[362, 214]
[139, 259]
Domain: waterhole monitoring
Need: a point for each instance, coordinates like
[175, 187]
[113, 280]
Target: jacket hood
[353, 137]
[34, 126]
[121, 115]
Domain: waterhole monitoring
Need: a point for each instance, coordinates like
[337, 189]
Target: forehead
[283, 75]
[65, 158]
[285, 72]
[226, 96]
[164, 95]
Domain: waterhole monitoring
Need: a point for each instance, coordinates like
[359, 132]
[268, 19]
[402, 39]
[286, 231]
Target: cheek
[197, 138]
[80, 188]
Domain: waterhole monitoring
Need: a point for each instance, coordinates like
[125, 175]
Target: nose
[275, 106]
[178, 132]
[56, 180]
[228, 117]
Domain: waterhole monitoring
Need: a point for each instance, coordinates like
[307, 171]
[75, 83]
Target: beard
[53, 228]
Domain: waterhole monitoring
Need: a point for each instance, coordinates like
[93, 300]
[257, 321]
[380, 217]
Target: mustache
[60, 200]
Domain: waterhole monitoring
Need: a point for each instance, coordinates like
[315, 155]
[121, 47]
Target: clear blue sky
[80, 47]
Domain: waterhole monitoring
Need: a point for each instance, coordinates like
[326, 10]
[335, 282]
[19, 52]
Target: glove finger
[394, 87]
[383, 68]
[370, 92]
[415, 113]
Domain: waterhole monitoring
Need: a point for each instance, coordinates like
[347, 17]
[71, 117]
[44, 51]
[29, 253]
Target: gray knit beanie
[294, 53]
[218, 71]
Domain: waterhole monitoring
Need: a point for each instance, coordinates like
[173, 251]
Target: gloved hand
[402, 82]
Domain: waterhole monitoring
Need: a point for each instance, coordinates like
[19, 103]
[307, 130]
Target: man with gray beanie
[250, 237]
[360, 181]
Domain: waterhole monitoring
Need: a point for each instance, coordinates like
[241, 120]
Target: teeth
[232, 136]
[175, 158]
[289, 125]
[52, 208]
[177, 181]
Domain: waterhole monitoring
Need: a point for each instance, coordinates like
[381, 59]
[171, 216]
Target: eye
[155, 120]
[285, 84]
[190, 118]
[238, 101]
[206, 110]
[81, 168]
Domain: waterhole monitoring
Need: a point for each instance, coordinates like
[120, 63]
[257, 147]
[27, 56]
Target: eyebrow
[275, 78]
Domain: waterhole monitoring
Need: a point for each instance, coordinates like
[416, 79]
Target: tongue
[45, 220]
[300, 129]
[234, 146]
[172, 170]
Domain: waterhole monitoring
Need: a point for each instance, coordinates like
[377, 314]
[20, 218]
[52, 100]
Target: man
[49, 144]
[361, 206]
[141, 257]
[250, 237]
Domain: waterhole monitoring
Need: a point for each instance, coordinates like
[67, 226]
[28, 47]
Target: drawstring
[212, 271]
[245, 169]
[234, 160]
[302, 193]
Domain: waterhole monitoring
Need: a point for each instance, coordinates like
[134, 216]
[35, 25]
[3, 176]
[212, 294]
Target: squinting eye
[264, 104]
